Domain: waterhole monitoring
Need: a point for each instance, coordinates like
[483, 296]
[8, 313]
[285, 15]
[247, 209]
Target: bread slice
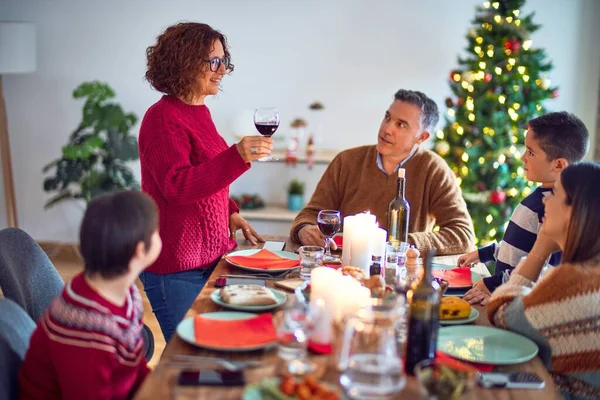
[247, 295]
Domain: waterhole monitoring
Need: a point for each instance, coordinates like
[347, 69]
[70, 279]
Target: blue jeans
[171, 295]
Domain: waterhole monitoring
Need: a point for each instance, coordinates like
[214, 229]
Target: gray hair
[429, 110]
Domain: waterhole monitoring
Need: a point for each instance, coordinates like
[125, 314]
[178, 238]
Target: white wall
[351, 55]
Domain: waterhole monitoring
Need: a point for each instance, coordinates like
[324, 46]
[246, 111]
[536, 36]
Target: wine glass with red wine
[329, 223]
[266, 121]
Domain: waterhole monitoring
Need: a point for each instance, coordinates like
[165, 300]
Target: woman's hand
[251, 148]
[536, 259]
[478, 294]
[467, 259]
[236, 221]
[544, 245]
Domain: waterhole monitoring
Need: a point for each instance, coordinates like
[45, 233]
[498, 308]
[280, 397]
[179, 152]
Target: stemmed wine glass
[266, 121]
[329, 222]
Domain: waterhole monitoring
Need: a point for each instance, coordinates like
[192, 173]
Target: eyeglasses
[215, 63]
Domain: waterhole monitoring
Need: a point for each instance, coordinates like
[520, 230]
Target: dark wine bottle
[423, 319]
[398, 213]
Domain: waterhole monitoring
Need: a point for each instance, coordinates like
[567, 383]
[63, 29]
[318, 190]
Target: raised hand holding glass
[266, 121]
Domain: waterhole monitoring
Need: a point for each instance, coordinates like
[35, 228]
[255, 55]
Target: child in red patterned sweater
[88, 344]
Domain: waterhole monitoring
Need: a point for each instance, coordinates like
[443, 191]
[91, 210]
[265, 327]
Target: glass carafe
[369, 356]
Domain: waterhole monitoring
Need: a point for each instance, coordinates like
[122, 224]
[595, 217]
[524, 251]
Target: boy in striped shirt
[553, 141]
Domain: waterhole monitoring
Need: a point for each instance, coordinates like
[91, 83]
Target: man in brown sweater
[364, 178]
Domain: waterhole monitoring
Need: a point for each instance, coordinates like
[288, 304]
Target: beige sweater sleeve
[325, 197]
[446, 205]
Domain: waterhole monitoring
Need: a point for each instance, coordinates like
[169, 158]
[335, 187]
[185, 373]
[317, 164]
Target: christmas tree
[497, 89]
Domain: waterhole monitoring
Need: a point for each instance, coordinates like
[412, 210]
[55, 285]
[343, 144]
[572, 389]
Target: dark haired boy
[88, 344]
[553, 141]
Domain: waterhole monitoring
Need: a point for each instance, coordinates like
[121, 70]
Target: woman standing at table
[187, 168]
[561, 312]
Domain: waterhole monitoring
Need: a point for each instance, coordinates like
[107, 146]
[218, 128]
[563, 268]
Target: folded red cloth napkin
[457, 277]
[338, 241]
[264, 259]
[453, 362]
[249, 332]
[320, 348]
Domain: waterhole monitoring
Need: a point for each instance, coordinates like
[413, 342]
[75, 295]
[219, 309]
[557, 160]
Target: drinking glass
[266, 121]
[395, 257]
[369, 357]
[310, 258]
[329, 222]
[294, 327]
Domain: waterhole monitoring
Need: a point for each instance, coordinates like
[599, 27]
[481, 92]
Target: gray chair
[28, 277]
[16, 328]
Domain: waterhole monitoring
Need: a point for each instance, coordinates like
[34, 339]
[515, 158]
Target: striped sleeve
[519, 238]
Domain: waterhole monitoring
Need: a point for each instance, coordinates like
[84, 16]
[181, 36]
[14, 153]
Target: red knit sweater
[187, 169]
[85, 347]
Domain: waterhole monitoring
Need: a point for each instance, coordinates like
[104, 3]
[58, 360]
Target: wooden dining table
[162, 382]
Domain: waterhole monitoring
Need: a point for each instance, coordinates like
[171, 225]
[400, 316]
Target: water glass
[369, 355]
[395, 257]
[294, 326]
[310, 258]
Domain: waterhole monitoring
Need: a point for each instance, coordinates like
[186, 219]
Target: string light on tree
[498, 86]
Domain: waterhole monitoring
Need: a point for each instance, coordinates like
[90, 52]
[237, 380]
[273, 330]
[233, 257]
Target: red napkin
[338, 241]
[453, 362]
[249, 332]
[264, 259]
[320, 348]
[457, 277]
[315, 347]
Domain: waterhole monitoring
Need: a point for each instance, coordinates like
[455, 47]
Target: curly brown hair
[178, 58]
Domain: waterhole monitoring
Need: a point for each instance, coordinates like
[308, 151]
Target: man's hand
[310, 235]
[236, 221]
[479, 294]
[467, 259]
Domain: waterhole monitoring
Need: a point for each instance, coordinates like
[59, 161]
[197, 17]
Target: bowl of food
[290, 388]
[441, 379]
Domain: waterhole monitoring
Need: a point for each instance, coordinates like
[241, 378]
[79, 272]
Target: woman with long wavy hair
[187, 167]
[561, 311]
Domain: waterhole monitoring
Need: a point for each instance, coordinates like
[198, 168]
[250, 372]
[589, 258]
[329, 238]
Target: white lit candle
[362, 239]
[321, 281]
[347, 239]
[379, 241]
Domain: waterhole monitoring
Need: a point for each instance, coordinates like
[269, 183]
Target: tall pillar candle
[321, 281]
[347, 239]
[379, 242]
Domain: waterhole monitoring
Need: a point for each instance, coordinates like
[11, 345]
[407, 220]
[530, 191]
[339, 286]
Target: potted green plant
[295, 195]
[94, 159]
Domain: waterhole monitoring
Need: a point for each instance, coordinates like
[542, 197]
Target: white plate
[249, 252]
[472, 317]
[185, 330]
[280, 296]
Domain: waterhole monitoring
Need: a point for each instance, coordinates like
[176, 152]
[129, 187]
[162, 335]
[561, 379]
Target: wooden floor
[69, 265]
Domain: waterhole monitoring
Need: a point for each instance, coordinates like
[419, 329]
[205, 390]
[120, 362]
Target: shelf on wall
[272, 212]
[322, 157]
